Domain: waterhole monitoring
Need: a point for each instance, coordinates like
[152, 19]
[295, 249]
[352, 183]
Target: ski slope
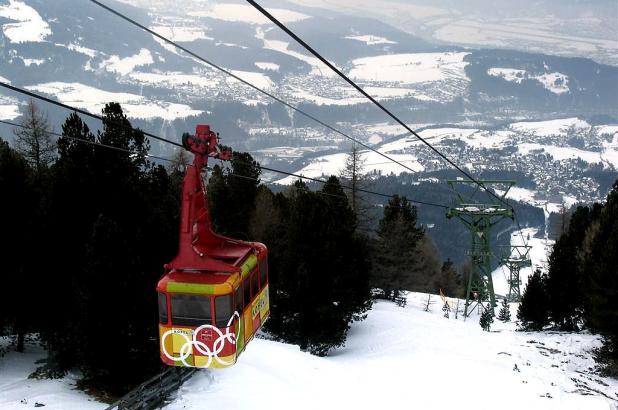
[409, 358]
[397, 357]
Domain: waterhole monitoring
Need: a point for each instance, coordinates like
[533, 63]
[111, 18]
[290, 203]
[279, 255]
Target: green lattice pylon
[479, 218]
[516, 259]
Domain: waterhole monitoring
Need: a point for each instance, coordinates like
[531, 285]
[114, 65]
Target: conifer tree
[600, 268]
[533, 310]
[565, 280]
[318, 269]
[395, 253]
[115, 222]
[232, 194]
[504, 315]
[16, 311]
[487, 318]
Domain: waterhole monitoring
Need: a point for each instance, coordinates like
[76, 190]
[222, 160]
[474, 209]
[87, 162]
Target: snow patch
[9, 106]
[555, 82]
[93, 100]
[30, 27]
[243, 13]
[333, 164]
[182, 34]
[33, 61]
[551, 127]
[560, 153]
[267, 66]
[410, 68]
[124, 66]
[80, 49]
[371, 39]
[18, 392]
[317, 67]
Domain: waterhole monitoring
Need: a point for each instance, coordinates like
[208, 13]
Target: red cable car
[213, 297]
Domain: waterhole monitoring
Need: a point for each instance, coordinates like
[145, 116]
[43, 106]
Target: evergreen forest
[90, 220]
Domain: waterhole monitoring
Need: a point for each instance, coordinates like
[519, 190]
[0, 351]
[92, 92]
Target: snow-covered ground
[18, 392]
[247, 14]
[333, 165]
[370, 39]
[27, 25]
[409, 68]
[409, 358]
[93, 100]
[9, 107]
[396, 358]
[126, 65]
[540, 249]
[555, 82]
[550, 127]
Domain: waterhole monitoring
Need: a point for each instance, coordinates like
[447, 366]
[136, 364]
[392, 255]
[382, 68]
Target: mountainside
[85, 56]
[545, 120]
[397, 355]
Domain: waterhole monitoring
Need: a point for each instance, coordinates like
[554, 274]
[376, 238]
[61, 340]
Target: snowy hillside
[398, 357]
[553, 155]
[69, 52]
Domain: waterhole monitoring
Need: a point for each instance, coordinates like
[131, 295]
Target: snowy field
[26, 24]
[9, 107]
[93, 100]
[247, 14]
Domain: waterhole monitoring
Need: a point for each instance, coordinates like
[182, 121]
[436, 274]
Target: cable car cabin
[213, 297]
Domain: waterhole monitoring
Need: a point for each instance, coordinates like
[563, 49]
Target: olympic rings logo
[201, 347]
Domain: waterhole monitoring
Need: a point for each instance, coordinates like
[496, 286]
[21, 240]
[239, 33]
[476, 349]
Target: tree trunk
[20, 336]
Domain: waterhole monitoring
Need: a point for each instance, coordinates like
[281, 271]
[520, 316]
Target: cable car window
[255, 286]
[162, 308]
[247, 292]
[239, 299]
[223, 310]
[263, 272]
[191, 310]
